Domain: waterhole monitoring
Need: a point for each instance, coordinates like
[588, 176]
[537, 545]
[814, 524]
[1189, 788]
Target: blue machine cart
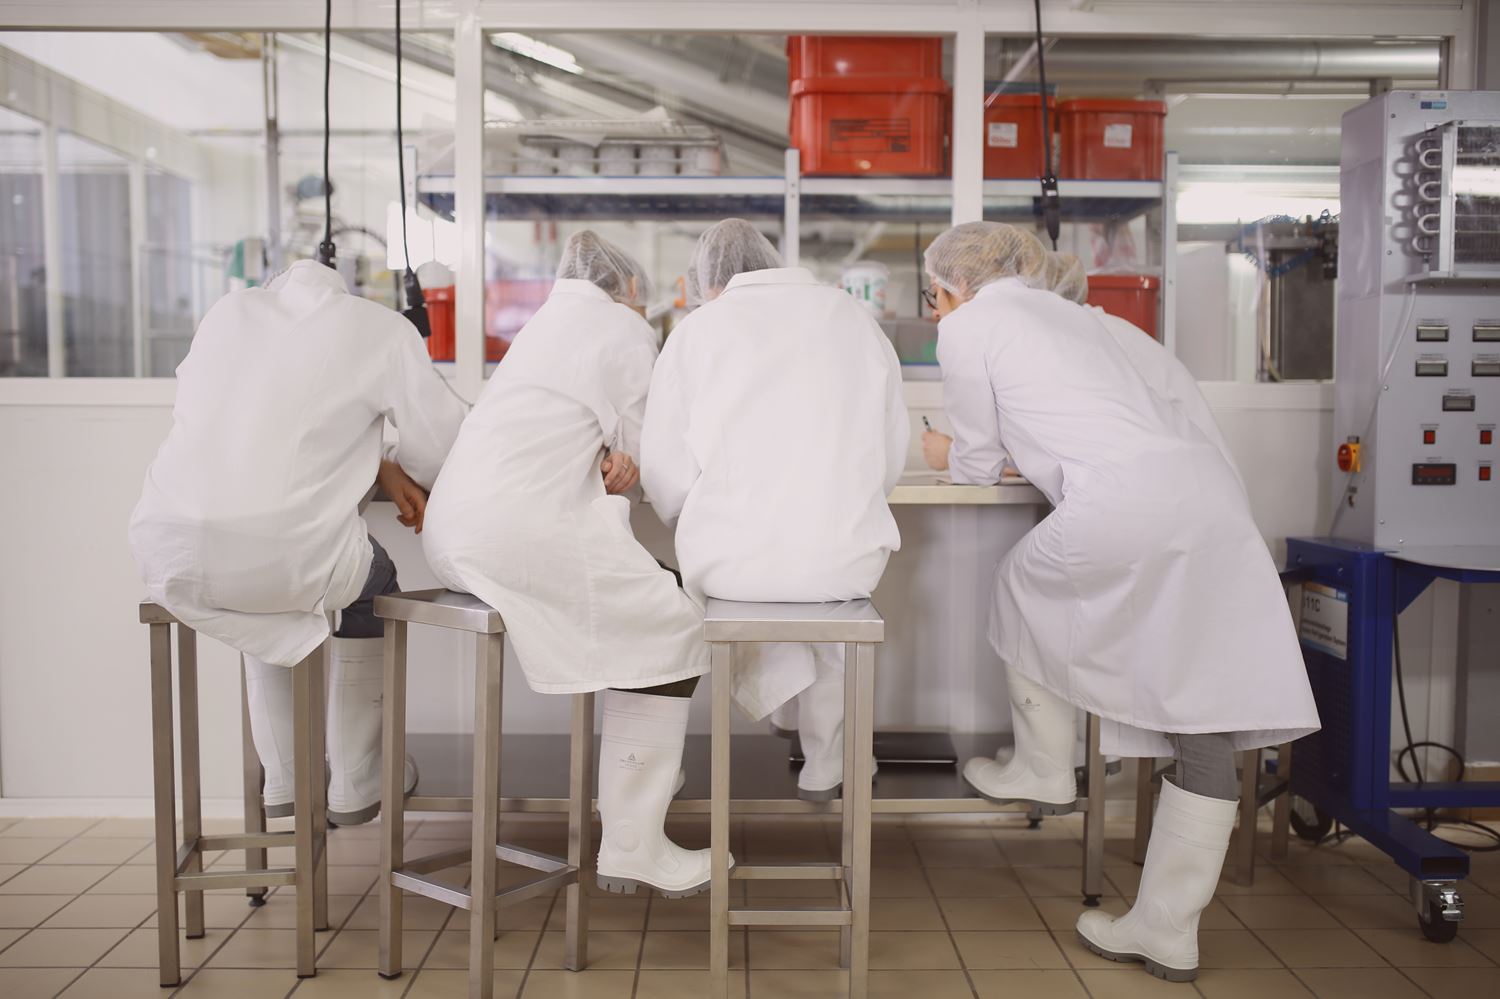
[1352, 592]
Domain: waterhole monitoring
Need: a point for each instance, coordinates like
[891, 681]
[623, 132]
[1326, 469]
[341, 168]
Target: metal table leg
[192, 782]
[1093, 820]
[1145, 778]
[859, 803]
[318, 716]
[488, 669]
[164, 780]
[580, 819]
[1281, 818]
[392, 796]
[303, 675]
[255, 776]
[718, 924]
[1244, 848]
[846, 816]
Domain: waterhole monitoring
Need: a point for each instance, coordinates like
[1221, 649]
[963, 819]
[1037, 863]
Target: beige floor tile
[1239, 983]
[758, 889]
[907, 984]
[1408, 948]
[66, 828]
[1388, 874]
[1487, 942]
[974, 883]
[899, 882]
[128, 880]
[681, 914]
[1022, 950]
[138, 949]
[1126, 982]
[26, 911]
[795, 949]
[35, 983]
[1456, 982]
[1333, 880]
[361, 948]
[1268, 881]
[666, 984]
[1216, 917]
[1052, 853]
[1041, 882]
[798, 984]
[688, 951]
[590, 984]
[1481, 911]
[103, 911]
[990, 914]
[63, 880]
[609, 950]
[1010, 984]
[117, 983]
[417, 913]
[910, 914]
[30, 849]
[604, 914]
[1061, 914]
[138, 828]
[447, 984]
[222, 909]
[513, 951]
[960, 853]
[1358, 983]
[1233, 949]
[259, 949]
[60, 948]
[1280, 912]
[239, 983]
[1371, 912]
[8, 937]
[1125, 879]
[97, 851]
[9, 871]
[915, 951]
[1079, 956]
[280, 911]
[1320, 949]
[350, 983]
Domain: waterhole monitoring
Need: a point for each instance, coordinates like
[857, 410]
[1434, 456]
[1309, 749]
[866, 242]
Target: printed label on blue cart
[1325, 619]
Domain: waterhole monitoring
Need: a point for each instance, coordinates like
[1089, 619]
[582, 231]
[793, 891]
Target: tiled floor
[977, 908]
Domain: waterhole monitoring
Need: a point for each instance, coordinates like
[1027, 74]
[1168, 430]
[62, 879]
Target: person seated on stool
[531, 514]
[249, 528]
[1147, 597]
[774, 432]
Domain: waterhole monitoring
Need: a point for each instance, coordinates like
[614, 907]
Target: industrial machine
[1417, 397]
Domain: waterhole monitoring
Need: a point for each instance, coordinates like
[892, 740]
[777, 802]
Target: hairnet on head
[587, 256]
[725, 249]
[1065, 277]
[974, 254]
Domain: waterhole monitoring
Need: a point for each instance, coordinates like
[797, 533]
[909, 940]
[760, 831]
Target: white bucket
[867, 281]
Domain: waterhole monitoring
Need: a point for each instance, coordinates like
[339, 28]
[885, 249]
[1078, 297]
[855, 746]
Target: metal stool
[179, 867]
[1256, 790]
[462, 612]
[859, 626]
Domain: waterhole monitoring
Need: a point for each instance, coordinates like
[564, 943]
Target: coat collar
[774, 275]
[577, 286]
[308, 273]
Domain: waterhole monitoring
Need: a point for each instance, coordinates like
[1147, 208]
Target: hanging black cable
[326, 250]
[416, 303]
[1051, 200]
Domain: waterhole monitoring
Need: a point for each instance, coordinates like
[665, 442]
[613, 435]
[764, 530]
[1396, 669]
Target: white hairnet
[974, 254]
[587, 256]
[725, 249]
[1065, 277]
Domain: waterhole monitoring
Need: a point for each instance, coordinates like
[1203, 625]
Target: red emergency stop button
[1348, 456]
[1484, 473]
[1486, 437]
[1429, 437]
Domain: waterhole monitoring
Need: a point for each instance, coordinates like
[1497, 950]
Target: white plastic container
[574, 159]
[701, 161]
[617, 160]
[657, 161]
[867, 281]
[536, 161]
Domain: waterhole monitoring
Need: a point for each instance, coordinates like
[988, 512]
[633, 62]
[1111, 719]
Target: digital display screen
[1445, 474]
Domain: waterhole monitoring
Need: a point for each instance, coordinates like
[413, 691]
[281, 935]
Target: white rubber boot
[784, 720]
[640, 754]
[268, 691]
[1040, 773]
[1188, 842]
[1080, 755]
[355, 693]
[820, 713]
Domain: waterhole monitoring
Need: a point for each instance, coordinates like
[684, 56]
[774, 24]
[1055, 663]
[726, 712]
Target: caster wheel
[1308, 821]
[1435, 927]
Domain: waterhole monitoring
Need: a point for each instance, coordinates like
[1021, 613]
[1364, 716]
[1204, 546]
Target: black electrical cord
[326, 249]
[416, 302]
[1051, 200]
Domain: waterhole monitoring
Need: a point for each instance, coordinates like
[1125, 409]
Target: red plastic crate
[1013, 135]
[440, 316]
[1132, 297]
[863, 56]
[898, 130]
[1112, 140]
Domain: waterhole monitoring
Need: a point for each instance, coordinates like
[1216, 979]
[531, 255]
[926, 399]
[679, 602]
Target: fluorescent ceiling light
[532, 48]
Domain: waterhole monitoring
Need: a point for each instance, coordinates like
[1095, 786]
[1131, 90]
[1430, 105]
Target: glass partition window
[94, 229]
[23, 297]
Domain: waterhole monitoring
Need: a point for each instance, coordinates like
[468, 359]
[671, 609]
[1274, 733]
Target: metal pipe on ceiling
[1098, 59]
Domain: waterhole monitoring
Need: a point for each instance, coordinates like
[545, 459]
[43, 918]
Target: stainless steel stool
[462, 612]
[179, 866]
[860, 627]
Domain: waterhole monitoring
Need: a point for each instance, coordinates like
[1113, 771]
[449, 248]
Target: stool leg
[488, 668]
[846, 813]
[318, 717]
[1093, 820]
[859, 803]
[718, 923]
[392, 796]
[255, 813]
[192, 783]
[303, 751]
[1244, 873]
[1281, 819]
[580, 819]
[1145, 773]
[163, 772]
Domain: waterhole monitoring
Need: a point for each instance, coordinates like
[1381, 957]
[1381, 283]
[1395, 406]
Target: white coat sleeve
[424, 412]
[627, 383]
[668, 468]
[897, 419]
[977, 456]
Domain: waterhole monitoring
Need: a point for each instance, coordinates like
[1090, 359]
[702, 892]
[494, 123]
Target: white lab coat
[1147, 596]
[774, 431]
[519, 516]
[248, 526]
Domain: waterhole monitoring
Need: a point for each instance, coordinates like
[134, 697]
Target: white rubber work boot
[784, 720]
[640, 755]
[268, 692]
[1080, 756]
[355, 693]
[1040, 773]
[1189, 839]
[820, 714]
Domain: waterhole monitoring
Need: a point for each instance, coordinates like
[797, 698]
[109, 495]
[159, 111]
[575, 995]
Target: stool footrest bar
[536, 861]
[434, 862]
[790, 917]
[788, 872]
[436, 890]
[209, 880]
[460, 898]
[246, 841]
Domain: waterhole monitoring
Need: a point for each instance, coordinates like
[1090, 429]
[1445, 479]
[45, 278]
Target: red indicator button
[1429, 437]
[1484, 473]
[1486, 437]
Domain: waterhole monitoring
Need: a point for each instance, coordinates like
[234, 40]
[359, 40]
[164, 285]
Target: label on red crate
[869, 135]
[1118, 136]
[1325, 620]
[1004, 134]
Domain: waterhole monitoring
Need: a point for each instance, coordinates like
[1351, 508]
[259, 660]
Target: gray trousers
[1205, 765]
[358, 620]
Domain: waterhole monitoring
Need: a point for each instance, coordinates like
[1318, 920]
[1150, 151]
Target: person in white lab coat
[249, 529]
[1147, 596]
[531, 515]
[774, 431]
